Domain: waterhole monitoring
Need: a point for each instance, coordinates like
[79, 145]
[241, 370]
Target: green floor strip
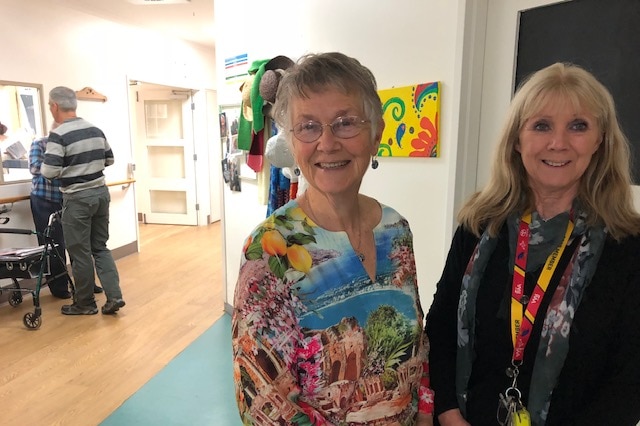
[194, 389]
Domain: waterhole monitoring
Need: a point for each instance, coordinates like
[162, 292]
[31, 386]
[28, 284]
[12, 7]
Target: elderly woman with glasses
[327, 326]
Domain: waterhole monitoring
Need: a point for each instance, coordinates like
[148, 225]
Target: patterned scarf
[554, 341]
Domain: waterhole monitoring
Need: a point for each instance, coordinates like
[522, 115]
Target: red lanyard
[522, 320]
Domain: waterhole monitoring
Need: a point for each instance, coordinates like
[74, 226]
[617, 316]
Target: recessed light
[148, 2]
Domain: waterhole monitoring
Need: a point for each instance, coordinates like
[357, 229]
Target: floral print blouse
[315, 341]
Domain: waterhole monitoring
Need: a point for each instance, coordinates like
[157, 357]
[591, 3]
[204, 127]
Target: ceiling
[191, 20]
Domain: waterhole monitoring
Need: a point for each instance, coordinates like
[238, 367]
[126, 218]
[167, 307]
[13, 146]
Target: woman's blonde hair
[605, 187]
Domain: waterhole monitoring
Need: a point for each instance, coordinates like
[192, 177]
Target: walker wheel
[32, 321]
[15, 299]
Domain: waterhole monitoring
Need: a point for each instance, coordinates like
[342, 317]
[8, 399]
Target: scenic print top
[315, 341]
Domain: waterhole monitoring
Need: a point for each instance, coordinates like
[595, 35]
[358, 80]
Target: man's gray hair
[64, 97]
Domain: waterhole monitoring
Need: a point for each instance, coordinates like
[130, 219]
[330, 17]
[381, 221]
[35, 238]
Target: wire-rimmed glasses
[343, 127]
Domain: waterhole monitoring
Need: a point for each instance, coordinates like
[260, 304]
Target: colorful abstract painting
[411, 117]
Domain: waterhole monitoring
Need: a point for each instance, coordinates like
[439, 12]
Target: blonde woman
[535, 313]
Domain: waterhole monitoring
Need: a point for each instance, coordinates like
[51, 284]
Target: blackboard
[601, 36]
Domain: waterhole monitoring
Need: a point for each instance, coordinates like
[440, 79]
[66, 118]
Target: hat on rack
[245, 89]
[258, 101]
[278, 151]
[257, 69]
[268, 87]
[279, 62]
[251, 119]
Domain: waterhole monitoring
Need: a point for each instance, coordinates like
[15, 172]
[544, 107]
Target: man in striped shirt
[76, 154]
[46, 199]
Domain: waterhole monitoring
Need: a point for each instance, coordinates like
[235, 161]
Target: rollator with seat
[31, 263]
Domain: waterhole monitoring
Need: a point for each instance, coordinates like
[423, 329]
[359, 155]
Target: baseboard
[228, 308]
[125, 250]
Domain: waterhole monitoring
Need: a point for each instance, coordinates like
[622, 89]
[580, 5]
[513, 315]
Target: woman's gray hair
[318, 72]
[64, 97]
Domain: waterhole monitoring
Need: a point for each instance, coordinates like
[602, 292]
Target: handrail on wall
[10, 200]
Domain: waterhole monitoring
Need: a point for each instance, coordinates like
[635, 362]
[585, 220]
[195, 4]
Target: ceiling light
[147, 2]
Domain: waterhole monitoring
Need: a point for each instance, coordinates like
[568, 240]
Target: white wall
[46, 43]
[403, 42]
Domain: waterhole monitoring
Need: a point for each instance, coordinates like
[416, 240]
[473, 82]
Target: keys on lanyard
[511, 411]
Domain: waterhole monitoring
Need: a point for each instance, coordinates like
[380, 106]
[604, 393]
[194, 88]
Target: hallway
[78, 370]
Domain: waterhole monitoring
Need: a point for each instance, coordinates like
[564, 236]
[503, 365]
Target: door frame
[173, 180]
[203, 132]
[477, 134]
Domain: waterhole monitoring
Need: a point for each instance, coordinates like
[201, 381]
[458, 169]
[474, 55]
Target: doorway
[162, 127]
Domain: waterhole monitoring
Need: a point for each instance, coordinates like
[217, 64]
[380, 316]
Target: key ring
[517, 394]
[508, 406]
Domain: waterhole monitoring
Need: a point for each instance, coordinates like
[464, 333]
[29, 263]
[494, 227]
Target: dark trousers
[85, 221]
[41, 209]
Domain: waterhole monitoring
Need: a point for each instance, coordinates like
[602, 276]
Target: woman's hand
[424, 419]
[452, 418]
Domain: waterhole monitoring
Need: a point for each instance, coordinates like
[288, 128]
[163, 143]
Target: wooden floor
[77, 370]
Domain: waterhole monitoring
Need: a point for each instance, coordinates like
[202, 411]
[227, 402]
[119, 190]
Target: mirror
[22, 118]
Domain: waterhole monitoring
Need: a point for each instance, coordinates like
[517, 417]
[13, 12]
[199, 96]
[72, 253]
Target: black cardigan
[600, 381]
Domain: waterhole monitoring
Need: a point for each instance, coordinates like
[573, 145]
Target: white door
[165, 160]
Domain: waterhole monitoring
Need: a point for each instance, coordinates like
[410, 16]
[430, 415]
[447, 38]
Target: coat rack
[88, 94]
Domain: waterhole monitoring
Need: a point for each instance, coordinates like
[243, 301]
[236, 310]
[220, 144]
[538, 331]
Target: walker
[29, 263]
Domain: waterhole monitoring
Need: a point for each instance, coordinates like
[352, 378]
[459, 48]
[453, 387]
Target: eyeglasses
[343, 127]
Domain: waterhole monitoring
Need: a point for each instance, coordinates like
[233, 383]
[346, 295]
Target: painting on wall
[411, 117]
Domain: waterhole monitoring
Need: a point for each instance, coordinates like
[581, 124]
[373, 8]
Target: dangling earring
[296, 171]
[374, 162]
